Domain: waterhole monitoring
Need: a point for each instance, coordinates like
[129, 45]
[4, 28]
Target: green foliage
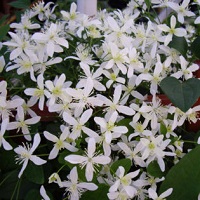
[4, 30]
[180, 44]
[33, 195]
[34, 173]
[154, 170]
[195, 47]
[21, 4]
[126, 163]
[99, 194]
[184, 177]
[183, 95]
[148, 3]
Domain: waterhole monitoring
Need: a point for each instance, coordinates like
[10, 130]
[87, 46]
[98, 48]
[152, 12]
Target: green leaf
[183, 95]
[180, 44]
[8, 183]
[99, 194]
[34, 173]
[154, 170]
[4, 30]
[163, 129]
[3, 19]
[148, 3]
[21, 4]
[33, 195]
[126, 163]
[195, 47]
[184, 177]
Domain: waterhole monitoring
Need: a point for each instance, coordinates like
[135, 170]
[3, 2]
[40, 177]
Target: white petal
[50, 136]
[36, 160]
[101, 160]
[88, 186]
[75, 159]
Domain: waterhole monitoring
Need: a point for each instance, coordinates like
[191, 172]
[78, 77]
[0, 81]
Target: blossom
[23, 123]
[182, 10]
[153, 148]
[180, 32]
[60, 143]
[83, 97]
[124, 181]
[56, 89]
[25, 153]
[25, 24]
[90, 159]
[52, 38]
[114, 105]
[43, 193]
[76, 188]
[185, 71]
[2, 63]
[153, 195]
[3, 142]
[37, 93]
[118, 57]
[20, 45]
[96, 77]
[109, 128]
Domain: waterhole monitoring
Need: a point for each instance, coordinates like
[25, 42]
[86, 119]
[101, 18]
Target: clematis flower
[3, 142]
[124, 181]
[25, 153]
[52, 39]
[76, 188]
[60, 143]
[43, 193]
[38, 93]
[90, 159]
[23, 123]
[180, 32]
[2, 63]
[153, 195]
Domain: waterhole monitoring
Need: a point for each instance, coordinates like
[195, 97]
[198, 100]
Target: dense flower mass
[100, 78]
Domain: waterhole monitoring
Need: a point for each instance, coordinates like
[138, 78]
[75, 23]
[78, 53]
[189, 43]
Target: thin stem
[6, 178]
[16, 186]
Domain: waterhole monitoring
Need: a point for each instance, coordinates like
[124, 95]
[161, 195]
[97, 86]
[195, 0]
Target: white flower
[56, 89]
[25, 24]
[114, 104]
[20, 45]
[52, 39]
[118, 58]
[182, 10]
[60, 143]
[153, 149]
[132, 154]
[185, 71]
[25, 154]
[76, 188]
[2, 63]
[37, 93]
[78, 125]
[23, 123]
[124, 181]
[90, 159]
[180, 32]
[3, 142]
[153, 195]
[95, 77]
[43, 193]
[109, 128]
[83, 97]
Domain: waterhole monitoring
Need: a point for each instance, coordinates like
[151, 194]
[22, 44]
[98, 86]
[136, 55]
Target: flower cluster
[100, 78]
